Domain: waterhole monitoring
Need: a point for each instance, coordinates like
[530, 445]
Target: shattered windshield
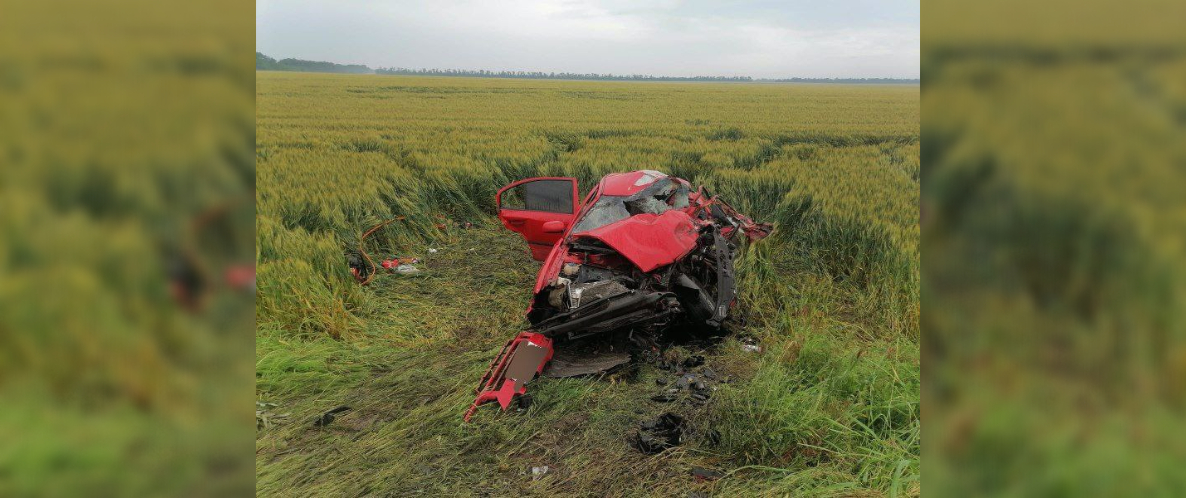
[660, 197]
[608, 209]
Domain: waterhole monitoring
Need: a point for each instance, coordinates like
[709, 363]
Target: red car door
[540, 209]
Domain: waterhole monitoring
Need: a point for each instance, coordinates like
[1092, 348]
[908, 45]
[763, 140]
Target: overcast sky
[763, 39]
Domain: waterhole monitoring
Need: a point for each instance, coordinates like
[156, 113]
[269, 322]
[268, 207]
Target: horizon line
[622, 76]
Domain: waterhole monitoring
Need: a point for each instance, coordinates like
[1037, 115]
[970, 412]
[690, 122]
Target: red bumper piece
[518, 363]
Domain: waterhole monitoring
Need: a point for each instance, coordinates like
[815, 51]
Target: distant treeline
[539, 75]
[621, 77]
[857, 81]
[269, 64]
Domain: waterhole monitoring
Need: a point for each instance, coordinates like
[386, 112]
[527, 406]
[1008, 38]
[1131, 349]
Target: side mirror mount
[553, 226]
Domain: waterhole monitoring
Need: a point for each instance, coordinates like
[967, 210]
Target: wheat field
[831, 405]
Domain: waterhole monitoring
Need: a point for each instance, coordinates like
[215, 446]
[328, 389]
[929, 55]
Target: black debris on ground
[654, 436]
[523, 402]
[666, 397]
[713, 437]
[328, 417]
[694, 387]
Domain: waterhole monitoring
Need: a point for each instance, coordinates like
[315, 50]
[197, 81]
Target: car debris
[667, 396]
[328, 417]
[654, 436]
[645, 260]
[538, 473]
[522, 402]
[396, 262]
[512, 369]
[407, 270]
[751, 348]
[586, 359]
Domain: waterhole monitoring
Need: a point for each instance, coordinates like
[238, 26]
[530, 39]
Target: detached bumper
[518, 363]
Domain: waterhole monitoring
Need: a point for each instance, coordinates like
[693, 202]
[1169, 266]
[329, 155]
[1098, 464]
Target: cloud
[856, 38]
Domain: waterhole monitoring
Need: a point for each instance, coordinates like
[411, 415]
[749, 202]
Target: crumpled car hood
[648, 240]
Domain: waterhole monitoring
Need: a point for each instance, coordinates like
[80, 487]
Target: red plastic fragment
[523, 357]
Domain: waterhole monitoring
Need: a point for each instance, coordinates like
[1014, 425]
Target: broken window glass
[653, 199]
[608, 209]
[650, 205]
[659, 198]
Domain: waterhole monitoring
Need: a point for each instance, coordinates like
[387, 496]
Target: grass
[830, 406]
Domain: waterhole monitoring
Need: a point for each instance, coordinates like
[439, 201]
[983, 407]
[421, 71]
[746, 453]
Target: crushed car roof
[629, 183]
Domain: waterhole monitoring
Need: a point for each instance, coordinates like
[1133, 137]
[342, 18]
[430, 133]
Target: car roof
[622, 184]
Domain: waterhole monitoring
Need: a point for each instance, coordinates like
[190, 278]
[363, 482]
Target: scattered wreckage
[644, 257]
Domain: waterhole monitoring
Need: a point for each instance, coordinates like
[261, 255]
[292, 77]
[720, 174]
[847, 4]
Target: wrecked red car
[643, 257]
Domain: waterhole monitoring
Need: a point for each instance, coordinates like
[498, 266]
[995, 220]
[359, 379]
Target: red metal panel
[496, 385]
[650, 241]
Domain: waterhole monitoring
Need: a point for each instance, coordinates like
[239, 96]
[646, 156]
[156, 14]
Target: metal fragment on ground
[566, 363]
